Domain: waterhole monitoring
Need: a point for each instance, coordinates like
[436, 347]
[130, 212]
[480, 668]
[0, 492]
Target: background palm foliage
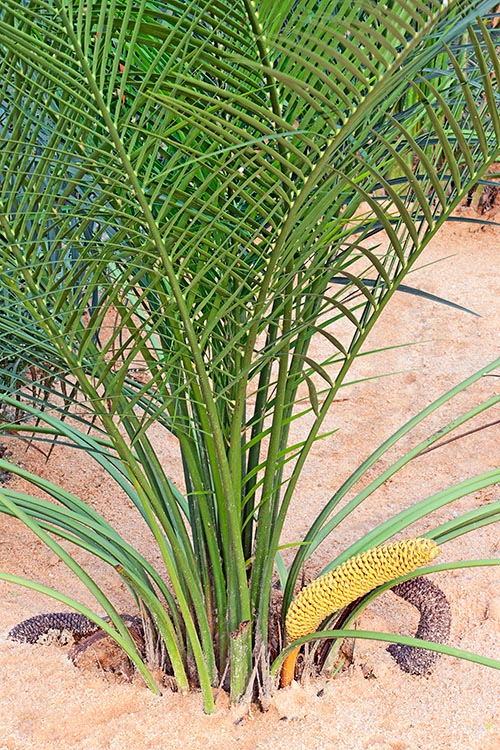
[180, 181]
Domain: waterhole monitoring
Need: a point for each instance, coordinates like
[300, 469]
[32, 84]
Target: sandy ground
[47, 704]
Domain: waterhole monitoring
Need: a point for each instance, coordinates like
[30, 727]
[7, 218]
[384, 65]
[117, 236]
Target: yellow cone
[353, 578]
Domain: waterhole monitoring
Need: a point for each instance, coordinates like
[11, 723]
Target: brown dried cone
[353, 578]
[76, 625]
[92, 647]
[434, 624]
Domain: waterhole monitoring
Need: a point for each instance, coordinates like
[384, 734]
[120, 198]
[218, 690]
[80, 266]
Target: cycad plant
[180, 183]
